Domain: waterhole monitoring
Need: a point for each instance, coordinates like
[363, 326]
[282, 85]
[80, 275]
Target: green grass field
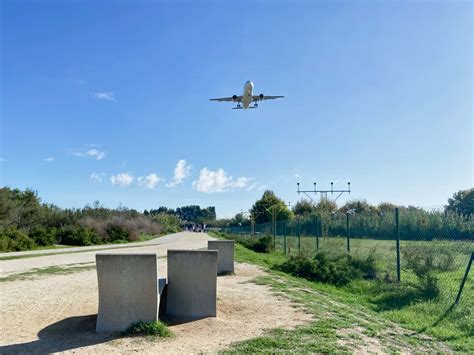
[402, 303]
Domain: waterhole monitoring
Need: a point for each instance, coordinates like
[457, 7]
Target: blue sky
[105, 100]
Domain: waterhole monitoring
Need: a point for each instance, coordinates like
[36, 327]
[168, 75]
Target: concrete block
[128, 290]
[225, 257]
[192, 284]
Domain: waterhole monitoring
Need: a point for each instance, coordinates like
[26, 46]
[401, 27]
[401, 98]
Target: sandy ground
[58, 313]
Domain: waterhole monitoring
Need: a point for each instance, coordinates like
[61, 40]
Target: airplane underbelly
[247, 98]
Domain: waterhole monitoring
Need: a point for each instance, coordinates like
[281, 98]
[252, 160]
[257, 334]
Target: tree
[239, 220]
[357, 206]
[304, 208]
[462, 203]
[268, 205]
[326, 207]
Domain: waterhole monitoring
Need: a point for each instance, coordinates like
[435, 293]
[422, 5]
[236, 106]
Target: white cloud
[149, 181]
[181, 171]
[97, 176]
[251, 187]
[108, 96]
[218, 181]
[122, 180]
[242, 182]
[93, 153]
[49, 159]
[297, 175]
[262, 187]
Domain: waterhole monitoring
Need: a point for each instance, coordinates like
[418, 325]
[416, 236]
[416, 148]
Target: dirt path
[57, 314]
[82, 255]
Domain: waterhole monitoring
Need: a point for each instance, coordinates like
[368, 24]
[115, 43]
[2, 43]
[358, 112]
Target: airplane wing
[265, 97]
[230, 99]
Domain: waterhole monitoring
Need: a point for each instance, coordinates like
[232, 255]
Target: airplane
[247, 98]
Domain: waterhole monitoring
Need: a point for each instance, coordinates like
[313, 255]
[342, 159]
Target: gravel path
[82, 255]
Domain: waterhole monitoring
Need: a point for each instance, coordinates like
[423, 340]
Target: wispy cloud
[150, 181]
[218, 181]
[181, 171]
[3, 160]
[262, 187]
[108, 96]
[97, 176]
[122, 180]
[81, 82]
[49, 159]
[92, 153]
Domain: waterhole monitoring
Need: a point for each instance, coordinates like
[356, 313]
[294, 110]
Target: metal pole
[284, 236]
[397, 231]
[348, 233]
[274, 229]
[464, 279]
[318, 226]
[299, 236]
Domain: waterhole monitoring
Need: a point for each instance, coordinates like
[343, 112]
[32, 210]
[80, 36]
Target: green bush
[76, 235]
[169, 222]
[155, 328]
[336, 270]
[422, 264]
[13, 239]
[262, 244]
[117, 233]
[43, 236]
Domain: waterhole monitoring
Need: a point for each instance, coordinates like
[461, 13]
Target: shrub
[155, 328]
[43, 236]
[13, 239]
[336, 270]
[169, 222]
[117, 233]
[421, 263]
[262, 244]
[121, 228]
[77, 235]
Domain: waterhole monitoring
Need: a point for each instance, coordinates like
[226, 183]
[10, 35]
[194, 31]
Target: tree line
[26, 222]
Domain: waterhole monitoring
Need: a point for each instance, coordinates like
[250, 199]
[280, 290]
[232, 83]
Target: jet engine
[261, 96]
[234, 97]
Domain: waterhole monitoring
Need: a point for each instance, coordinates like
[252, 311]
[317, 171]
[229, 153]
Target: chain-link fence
[408, 244]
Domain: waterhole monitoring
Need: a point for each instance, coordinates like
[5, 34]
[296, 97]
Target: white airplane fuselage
[247, 95]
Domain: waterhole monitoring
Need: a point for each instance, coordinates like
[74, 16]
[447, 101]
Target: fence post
[318, 223]
[348, 233]
[464, 279]
[284, 236]
[397, 232]
[299, 236]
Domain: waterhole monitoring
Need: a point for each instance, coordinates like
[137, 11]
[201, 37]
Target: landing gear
[238, 105]
[255, 105]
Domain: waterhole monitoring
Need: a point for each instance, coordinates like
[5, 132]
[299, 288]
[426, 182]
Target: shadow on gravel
[67, 334]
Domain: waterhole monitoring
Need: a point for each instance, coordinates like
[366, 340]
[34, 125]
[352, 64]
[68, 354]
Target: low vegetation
[336, 270]
[154, 329]
[261, 244]
[422, 302]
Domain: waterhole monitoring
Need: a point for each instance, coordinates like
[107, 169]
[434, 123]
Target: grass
[50, 270]
[386, 302]
[152, 329]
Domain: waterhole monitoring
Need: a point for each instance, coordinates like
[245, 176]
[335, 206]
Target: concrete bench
[225, 257]
[129, 290]
[192, 284]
